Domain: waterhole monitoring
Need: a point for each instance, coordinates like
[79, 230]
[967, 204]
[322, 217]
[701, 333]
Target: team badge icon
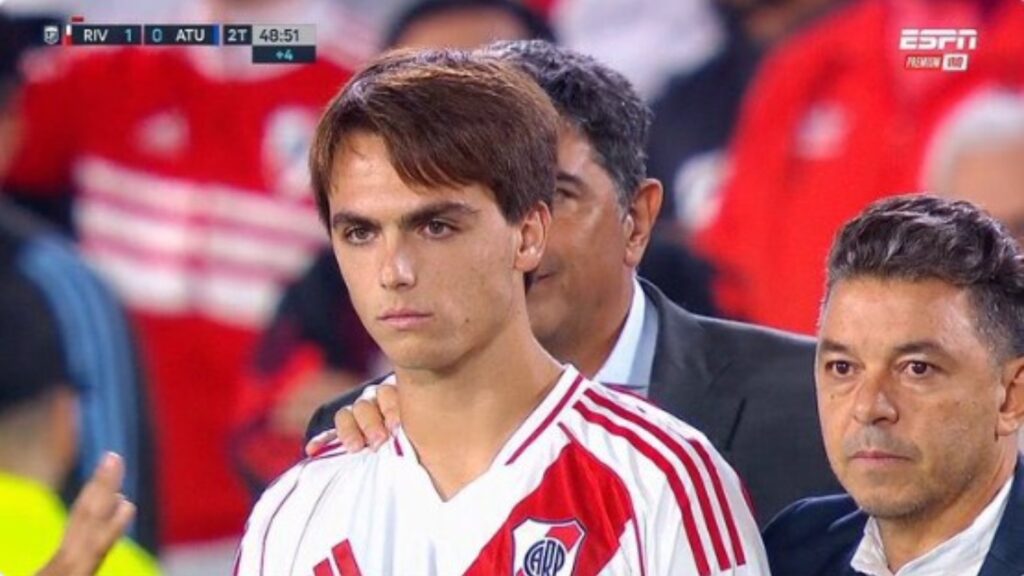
[51, 35]
[544, 548]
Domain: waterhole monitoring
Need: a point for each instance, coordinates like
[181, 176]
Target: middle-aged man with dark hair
[750, 390]
[920, 380]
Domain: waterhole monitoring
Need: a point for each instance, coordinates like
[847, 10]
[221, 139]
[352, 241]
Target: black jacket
[818, 536]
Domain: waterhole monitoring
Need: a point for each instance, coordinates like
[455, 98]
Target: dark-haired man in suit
[920, 378]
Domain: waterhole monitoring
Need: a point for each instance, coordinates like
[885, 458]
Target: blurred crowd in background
[157, 202]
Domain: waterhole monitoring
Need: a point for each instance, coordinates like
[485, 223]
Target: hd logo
[546, 548]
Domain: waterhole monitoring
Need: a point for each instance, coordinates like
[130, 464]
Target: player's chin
[419, 353]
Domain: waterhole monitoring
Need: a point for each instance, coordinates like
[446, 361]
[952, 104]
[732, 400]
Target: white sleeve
[691, 517]
[249, 558]
[718, 534]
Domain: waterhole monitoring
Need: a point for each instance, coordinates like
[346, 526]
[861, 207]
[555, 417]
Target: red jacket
[832, 123]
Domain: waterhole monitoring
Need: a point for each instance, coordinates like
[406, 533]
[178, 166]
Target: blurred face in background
[992, 177]
[9, 128]
[766, 22]
[463, 28]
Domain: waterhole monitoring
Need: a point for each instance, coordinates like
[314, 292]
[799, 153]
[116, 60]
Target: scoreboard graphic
[270, 43]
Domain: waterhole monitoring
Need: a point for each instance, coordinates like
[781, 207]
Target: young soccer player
[434, 172]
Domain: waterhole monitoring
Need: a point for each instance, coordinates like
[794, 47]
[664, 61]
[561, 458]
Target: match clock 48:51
[279, 35]
[284, 35]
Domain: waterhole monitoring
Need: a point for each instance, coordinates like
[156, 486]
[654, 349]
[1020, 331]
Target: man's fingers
[110, 473]
[369, 392]
[99, 497]
[370, 422]
[104, 534]
[367, 423]
[347, 430]
[123, 515]
[317, 442]
[99, 517]
[387, 399]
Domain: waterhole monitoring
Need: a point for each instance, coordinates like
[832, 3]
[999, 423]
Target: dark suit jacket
[749, 389]
[818, 536]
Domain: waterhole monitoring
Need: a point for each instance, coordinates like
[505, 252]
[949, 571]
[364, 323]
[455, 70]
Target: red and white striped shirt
[593, 482]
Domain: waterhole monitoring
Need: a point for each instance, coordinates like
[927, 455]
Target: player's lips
[404, 318]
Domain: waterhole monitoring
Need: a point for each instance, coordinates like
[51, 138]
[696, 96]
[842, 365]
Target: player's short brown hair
[447, 118]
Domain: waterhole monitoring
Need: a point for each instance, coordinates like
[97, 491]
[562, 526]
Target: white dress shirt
[632, 358]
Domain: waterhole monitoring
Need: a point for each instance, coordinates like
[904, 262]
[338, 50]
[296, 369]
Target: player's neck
[589, 346]
[459, 421]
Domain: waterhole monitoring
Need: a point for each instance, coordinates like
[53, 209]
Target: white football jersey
[594, 482]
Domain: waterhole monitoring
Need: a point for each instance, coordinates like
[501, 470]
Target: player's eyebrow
[415, 219]
[441, 209]
[344, 218]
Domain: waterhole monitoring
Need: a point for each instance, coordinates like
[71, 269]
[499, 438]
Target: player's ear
[532, 237]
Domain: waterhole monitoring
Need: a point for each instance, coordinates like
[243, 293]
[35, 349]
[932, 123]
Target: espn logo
[938, 41]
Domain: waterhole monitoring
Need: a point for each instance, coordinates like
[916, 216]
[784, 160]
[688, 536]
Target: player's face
[434, 274]
[584, 266]
[908, 394]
